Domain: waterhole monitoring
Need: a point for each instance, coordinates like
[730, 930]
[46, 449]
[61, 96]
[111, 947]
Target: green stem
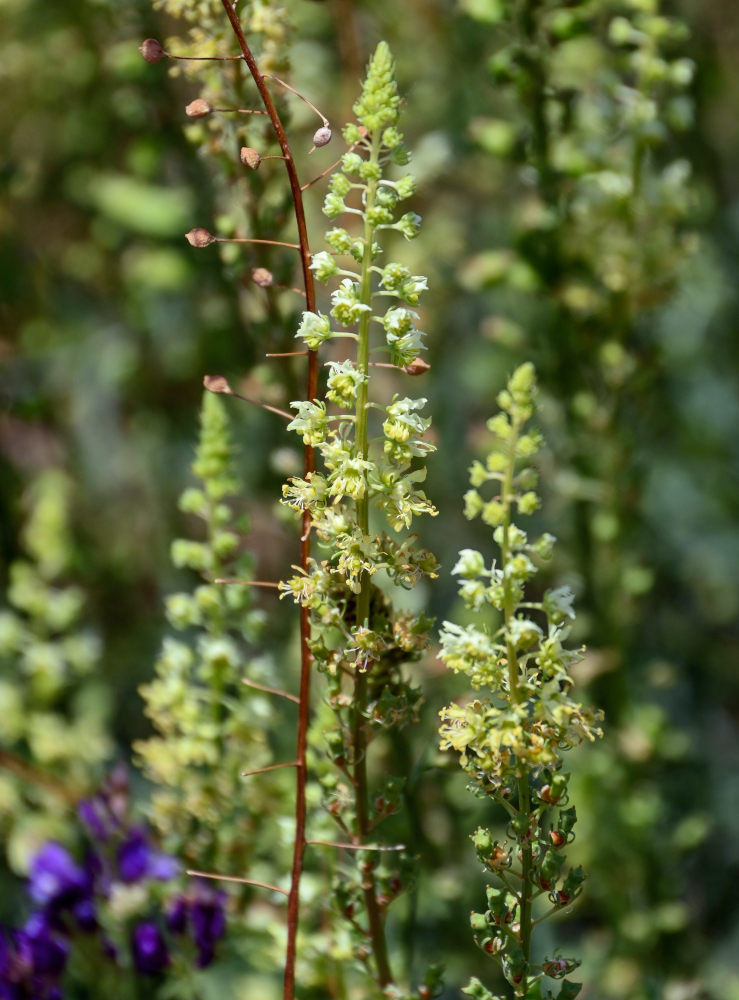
[359, 705]
[516, 696]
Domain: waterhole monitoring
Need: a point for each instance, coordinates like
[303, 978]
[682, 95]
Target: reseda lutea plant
[372, 456]
[511, 740]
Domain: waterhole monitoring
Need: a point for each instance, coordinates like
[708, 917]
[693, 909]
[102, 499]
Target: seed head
[322, 136]
[198, 108]
[262, 277]
[217, 383]
[417, 367]
[151, 50]
[250, 157]
[200, 237]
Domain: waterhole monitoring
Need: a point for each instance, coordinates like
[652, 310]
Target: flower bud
[199, 237]
[198, 108]
[151, 50]
[322, 136]
[262, 277]
[250, 157]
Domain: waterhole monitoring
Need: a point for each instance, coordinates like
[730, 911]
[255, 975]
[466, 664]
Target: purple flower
[149, 949]
[138, 860]
[95, 815]
[48, 953]
[56, 880]
[177, 915]
[203, 910]
[31, 961]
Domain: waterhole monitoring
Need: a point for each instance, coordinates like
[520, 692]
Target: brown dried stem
[293, 905]
[270, 690]
[236, 878]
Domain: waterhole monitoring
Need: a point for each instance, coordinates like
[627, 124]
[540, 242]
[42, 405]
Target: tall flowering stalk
[358, 638]
[511, 738]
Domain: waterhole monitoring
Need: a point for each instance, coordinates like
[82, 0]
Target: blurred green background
[109, 320]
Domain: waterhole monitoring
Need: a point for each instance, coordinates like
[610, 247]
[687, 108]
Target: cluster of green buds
[372, 460]
[208, 724]
[511, 738]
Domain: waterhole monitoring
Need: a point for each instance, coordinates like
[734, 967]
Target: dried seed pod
[199, 237]
[250, 157]
[217, 383]
[322, 136]
[151, 50]
[417, 367]
[262, 277]
[198, 108]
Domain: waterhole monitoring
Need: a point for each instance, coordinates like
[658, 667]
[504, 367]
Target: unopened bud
[250, 157]
[262, 277]
[417, 367]
[322, 136]
[200, 237]
[198, 108]
[151, 50]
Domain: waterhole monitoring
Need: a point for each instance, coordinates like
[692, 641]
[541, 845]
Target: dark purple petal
[177, 915]
[133, 857]
[205, 956]
[55, 878]
[48, 952]
[95, 816]
[85, 913]
[110, 951]
[149, 949]
[208, 916]
[138, 860]
[30, 962]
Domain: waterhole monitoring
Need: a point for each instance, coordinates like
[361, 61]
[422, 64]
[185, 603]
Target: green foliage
[54, 710]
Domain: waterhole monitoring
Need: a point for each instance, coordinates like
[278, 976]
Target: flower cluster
[510, 739]
[110, 905]
[372, 460]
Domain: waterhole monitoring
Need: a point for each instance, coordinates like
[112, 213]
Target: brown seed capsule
[322, 136]
[250, 157]
[151, 50]
[199, 237]
[217, 383]
[262, 277]
[417, 367]
[556, 838]
[198, 108]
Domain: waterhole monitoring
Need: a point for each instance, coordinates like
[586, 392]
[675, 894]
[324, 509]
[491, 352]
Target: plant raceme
[372, 461]
[511, 738]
